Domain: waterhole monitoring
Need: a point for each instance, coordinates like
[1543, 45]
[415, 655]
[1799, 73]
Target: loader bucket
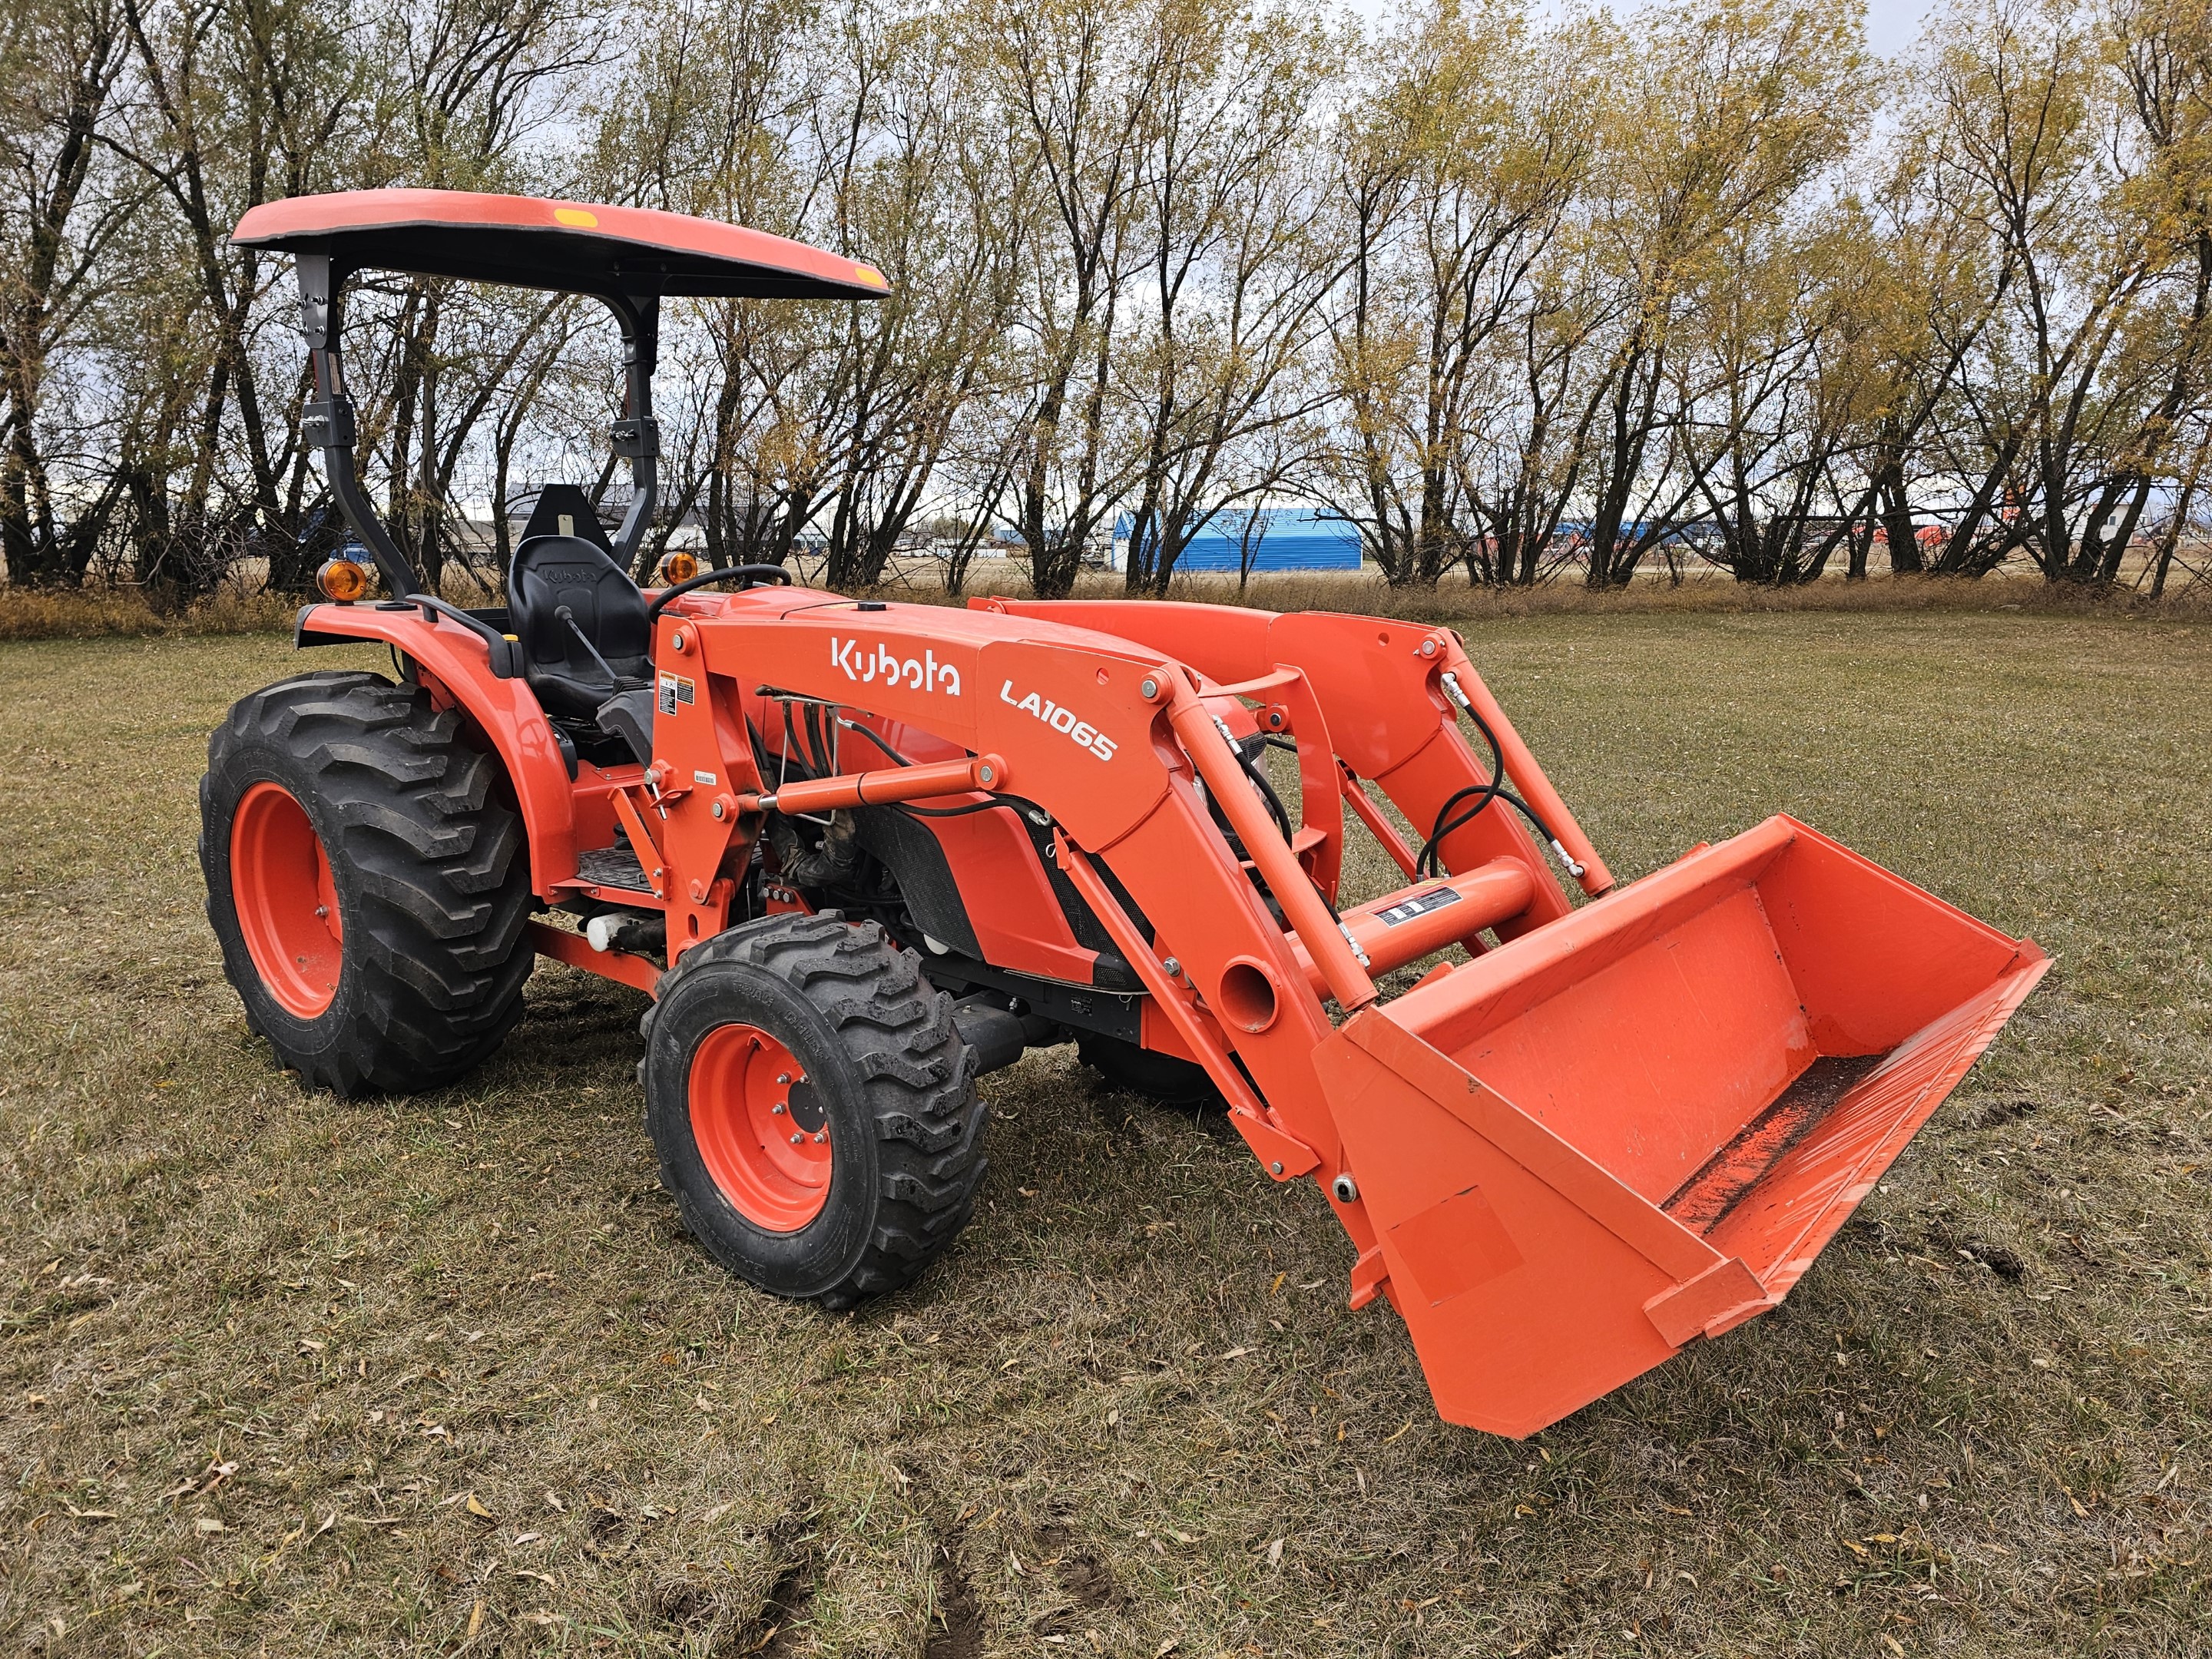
[1639, 1124]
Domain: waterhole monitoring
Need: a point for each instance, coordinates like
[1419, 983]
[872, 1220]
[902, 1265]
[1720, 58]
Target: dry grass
[110, 613]
[287, 1374]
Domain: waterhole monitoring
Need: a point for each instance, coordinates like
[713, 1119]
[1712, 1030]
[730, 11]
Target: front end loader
[857, 853]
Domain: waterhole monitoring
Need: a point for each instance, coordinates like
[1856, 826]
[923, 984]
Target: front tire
[368, 882]
[813, 1109]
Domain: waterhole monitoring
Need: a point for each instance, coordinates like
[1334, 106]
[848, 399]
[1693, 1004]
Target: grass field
[292, 1374]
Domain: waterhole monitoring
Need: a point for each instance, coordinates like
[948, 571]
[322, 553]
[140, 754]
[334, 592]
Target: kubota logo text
[923, 673]
[1085, 735]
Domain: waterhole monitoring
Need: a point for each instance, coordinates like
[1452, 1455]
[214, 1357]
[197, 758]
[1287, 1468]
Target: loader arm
[1380, 687]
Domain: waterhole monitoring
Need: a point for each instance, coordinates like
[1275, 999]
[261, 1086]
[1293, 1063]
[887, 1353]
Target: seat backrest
[563, 510]
[551, 572]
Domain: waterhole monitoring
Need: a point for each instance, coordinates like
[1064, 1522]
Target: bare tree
[64, 56]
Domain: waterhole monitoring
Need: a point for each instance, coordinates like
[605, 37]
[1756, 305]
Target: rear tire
[368, 882]
[1163, 1079]
[813, 1109]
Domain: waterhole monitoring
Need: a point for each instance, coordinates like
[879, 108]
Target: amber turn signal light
[679, 568]
[342, 579]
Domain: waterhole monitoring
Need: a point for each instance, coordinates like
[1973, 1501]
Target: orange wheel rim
[287, 903]
[760, 1128]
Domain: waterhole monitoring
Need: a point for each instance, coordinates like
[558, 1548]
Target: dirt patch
[775, 1629]
[956, 1625]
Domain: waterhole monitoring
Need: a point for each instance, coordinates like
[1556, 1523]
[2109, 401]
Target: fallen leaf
[208, 1523]
[475, 1621]
[522, 1538]
[76, 1514]
[1236, 1353]
[1275, 1553]
[477, 1510]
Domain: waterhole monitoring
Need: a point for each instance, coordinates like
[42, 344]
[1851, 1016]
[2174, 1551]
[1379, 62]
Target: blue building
[1277, 537]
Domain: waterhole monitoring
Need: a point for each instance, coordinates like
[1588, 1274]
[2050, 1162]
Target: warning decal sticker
[675, 689]
[1420, 905]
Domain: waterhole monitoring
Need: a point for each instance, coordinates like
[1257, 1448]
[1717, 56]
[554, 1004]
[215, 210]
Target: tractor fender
[507, 710]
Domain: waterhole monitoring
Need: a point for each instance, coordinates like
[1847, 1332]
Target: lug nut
[820, 1135]
[795, 1139]
[776, 1110]
[782, 1077]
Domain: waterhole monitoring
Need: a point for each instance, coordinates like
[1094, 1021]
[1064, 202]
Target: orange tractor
[857, 853]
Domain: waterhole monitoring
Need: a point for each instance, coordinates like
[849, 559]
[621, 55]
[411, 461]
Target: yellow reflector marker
[342, 580]
[870, 275]
[578, 217]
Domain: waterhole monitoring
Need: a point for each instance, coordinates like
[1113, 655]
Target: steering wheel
[749, 573]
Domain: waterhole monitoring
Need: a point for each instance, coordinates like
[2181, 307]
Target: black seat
[582, 624]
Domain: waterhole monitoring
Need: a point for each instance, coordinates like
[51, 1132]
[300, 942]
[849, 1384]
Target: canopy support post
[327, 423]
[637, 436]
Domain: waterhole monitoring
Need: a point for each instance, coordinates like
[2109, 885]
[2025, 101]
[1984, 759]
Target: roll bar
[328, 423]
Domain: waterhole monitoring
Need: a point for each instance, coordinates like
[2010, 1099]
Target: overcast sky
[1894, 25]
[1891, 25]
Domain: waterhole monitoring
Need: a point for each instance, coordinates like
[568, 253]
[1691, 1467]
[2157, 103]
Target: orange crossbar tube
[1486, 894]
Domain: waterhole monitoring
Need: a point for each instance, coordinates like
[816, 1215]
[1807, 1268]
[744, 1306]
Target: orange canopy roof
[568, 246]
